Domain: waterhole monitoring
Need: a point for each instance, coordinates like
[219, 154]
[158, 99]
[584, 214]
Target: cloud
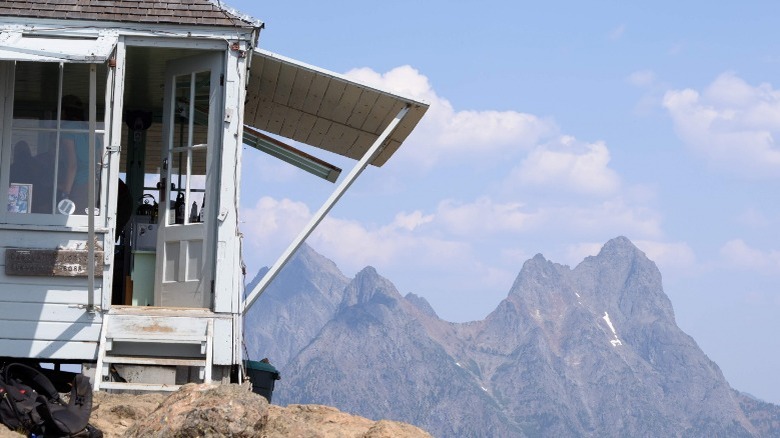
[739, 254]
[669, 256]
[615, 216]
[617, 33]
[753, 218]
[484, 217]
[270, 225]
[641, 78]
[410, 221]
[576, 253]
[486, 138]
[447, 134]
[732, 124]
[570, 165]
[273, 223]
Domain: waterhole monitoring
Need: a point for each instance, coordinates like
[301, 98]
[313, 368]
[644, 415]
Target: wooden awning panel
[324, 109]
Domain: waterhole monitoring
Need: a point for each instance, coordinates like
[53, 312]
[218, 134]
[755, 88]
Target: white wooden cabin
[161, 95]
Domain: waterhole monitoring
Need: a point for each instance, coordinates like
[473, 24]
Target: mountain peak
[367, 286]
[621, 247]
[421, 304]
[535, 272]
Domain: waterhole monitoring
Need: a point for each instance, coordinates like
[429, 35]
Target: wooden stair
[157, 337]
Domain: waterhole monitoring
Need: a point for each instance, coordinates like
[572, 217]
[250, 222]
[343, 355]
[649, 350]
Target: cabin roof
[179, 12]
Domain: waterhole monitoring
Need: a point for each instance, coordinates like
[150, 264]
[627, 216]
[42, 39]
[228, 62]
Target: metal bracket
[236, 47]
[114, 148]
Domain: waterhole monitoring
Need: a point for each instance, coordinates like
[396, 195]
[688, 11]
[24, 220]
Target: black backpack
[30, 403]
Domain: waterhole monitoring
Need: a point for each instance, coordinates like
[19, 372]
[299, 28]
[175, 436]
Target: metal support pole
[91, 190]
[323, 211]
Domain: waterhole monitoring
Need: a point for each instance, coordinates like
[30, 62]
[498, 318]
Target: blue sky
[554, 127]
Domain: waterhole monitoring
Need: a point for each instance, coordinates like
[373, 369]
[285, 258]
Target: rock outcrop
[216, 411]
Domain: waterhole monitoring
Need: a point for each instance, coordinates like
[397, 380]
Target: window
[189, 147]
[48, 169]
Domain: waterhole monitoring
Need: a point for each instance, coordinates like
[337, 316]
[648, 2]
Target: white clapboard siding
[37, 295]
[69, 313]
[47, 316]
[48, 349]
[37, 238]
[11, 282]
[50, 331]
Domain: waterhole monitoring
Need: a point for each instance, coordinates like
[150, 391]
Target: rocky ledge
[199, 410]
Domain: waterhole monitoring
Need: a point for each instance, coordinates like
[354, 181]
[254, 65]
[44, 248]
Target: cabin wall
[228, 280]
[48, 316]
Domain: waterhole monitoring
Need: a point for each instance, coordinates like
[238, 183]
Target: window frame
[8, 69]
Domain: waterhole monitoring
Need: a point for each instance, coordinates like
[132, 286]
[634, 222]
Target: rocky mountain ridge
[589, 351]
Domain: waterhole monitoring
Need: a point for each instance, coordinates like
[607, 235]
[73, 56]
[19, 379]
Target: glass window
[189, 150]
[50, 138]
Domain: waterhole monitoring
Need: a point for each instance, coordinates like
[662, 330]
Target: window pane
[32, 162]
[36, 92]
[34, 135]
[202, 94]
[75, 82]
[50, 157]
[181, 131]
[178, 180]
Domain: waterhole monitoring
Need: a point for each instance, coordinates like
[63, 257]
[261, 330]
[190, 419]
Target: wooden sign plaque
[50, 262]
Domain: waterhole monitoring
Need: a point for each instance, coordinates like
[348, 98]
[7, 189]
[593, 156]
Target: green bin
[263, 375]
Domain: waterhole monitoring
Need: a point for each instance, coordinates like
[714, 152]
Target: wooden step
[154, 329]
[127, 386]
[162, 361]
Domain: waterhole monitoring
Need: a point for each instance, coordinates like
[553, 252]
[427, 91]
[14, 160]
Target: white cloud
[669, 256]
[732, 124]
[739, 254]
[484, 217]
[411, 221]
[608, 218]
[617, 32]
[273, 223]
[482, 138]
[571, 165]
[677, 48]
[753, 218]
[576, 253]
[445, 133]
[641, 78]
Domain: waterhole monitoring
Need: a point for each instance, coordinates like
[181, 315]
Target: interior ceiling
[144, 89]
[145, 77]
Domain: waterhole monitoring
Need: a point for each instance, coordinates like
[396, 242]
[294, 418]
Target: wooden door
[188, 175]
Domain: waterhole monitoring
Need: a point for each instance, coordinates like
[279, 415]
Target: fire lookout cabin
[123, 125]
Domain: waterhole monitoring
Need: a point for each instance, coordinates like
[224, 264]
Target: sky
[553, 127]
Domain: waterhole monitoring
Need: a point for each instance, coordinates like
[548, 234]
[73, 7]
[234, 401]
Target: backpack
[30, 403]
